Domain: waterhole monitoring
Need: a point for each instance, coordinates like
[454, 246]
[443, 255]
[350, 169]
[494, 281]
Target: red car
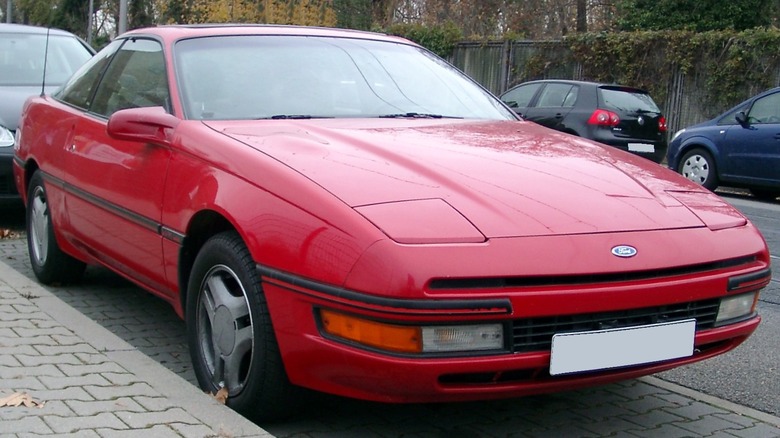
[345, 212]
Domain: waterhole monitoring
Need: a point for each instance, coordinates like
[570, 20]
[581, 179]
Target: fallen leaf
[20, 398]
[221, 395]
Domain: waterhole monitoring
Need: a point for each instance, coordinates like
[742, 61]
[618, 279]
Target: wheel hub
[224, 330]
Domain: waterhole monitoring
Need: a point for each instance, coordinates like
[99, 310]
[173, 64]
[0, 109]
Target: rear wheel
[230, 335]
[49, 263]
[698, 166]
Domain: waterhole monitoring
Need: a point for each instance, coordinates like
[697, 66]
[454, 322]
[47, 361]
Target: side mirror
[147, 125]
[742, 119]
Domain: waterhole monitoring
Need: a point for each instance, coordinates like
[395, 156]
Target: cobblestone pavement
[109, 360]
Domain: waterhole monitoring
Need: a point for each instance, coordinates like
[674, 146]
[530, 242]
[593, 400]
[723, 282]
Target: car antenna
[45, 61]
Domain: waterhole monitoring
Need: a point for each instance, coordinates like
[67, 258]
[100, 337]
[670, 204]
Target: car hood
[12, 100]
[504, 179]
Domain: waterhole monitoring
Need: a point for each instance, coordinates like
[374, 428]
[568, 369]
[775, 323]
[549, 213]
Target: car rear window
[627, 100]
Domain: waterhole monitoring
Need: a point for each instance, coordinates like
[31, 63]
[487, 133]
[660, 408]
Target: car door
[751, 151]
[553, 104]
[117, 186]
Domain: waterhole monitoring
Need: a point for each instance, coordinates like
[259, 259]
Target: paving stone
[103, 368]
[758, 431]
[735, 418]
[708, 425]
[109, 393]
[60, 359]
[695, 410]
[24, 424]
[21, 383]
[143, 420]
[75, 424]
[646, 403]
[44, 370]
[653, 419]
[54, 350]
[74, 381]
[122, 404]
[79, 434]
[158, 431]
[665, 431]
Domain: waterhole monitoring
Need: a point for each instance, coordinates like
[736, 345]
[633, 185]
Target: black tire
[50, 265]
[698, 166]
[765, 194]
[224, 291]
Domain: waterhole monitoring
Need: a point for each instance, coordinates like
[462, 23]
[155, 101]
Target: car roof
[584, 83]
[35, 30]
[177, 32]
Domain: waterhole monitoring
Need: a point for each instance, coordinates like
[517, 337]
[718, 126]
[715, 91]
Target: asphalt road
[747, 376]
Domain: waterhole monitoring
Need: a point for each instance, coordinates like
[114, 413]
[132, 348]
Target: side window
[766, 110]
[136, 78]
[79, 89]
[521, 96]
[554, 95]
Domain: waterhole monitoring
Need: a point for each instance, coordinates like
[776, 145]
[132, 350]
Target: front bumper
[317, 362]
[7, 186]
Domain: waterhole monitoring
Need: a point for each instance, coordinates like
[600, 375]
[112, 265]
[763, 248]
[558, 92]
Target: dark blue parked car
[740, 148]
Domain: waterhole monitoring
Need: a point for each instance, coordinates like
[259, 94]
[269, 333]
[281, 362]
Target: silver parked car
[23, 56]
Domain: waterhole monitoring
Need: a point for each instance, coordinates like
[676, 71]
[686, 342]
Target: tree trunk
[582, 15]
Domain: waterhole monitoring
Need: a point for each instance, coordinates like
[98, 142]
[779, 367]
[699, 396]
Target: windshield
[256, 77]
[22, 58]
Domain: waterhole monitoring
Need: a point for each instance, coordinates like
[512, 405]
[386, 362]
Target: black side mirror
[742, 119]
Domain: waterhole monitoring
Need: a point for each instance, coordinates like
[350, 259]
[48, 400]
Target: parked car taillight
[662, 124]
[602, 117]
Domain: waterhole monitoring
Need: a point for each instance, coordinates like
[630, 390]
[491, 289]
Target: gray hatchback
[23, 58]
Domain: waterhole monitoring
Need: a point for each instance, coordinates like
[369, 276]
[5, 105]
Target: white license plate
[613, 348]
[641, 147]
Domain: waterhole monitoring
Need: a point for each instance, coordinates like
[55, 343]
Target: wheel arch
[203, 225]
[30, 167]
[698, 142]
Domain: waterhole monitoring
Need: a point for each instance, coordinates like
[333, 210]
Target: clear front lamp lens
[462, 338]
[736, 307]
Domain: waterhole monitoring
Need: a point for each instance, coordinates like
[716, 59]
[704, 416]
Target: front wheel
[230, 335]
[698, 166]
[50, 265]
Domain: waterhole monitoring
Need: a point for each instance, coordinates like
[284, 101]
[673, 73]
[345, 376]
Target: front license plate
[641, 147]
[613, 348]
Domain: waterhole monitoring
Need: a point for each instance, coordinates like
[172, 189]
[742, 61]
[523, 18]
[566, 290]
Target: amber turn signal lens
[390, 337]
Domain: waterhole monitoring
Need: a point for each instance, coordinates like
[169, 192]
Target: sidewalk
[87, 381]
[92, 383]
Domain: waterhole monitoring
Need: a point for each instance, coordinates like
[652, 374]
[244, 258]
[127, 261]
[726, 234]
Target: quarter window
[78, 91]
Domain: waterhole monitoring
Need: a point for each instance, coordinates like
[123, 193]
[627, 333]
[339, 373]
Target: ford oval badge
[624, 251]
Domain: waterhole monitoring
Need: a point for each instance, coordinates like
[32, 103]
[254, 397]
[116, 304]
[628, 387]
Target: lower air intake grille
[535, 334]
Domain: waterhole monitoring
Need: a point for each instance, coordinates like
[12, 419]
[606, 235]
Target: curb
[223, 420]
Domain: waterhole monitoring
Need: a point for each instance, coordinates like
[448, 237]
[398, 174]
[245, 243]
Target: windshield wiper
[411, 116]
[292, 117]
